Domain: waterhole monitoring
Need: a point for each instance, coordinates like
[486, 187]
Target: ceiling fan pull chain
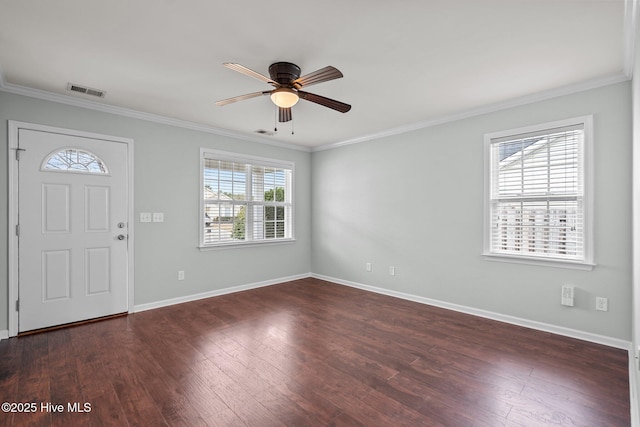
[275, 121]
[292, 126]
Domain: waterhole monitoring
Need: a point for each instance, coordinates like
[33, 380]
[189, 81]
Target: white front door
[73, 231]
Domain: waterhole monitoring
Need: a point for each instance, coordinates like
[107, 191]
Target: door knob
[120, 236]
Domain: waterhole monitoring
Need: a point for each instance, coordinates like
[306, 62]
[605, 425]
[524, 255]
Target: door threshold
[71, 325]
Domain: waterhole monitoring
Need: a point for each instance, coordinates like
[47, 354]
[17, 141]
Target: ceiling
[406, 63]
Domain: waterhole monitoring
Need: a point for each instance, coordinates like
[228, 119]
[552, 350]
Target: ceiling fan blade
[284, 114]
[242, 97]
[326, 102]
[246, 71]
[322, 75]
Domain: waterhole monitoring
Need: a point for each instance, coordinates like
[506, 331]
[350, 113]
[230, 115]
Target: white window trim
[588, 170]
[254, 160]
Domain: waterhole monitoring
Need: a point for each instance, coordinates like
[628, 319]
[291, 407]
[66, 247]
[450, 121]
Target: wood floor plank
[312, 353]
[95, 380]
[34, 382]
[65, 384]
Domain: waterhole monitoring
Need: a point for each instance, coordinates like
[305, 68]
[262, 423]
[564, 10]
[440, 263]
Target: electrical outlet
[602, 304]
[145, 216]
[368, 266]
[181, 275]
[568, 293]
[158, 217]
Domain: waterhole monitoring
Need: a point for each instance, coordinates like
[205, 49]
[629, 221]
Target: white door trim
[13, 127]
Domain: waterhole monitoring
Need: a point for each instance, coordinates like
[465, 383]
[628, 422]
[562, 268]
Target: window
[537, 194]
[245, 199]
[74, 160]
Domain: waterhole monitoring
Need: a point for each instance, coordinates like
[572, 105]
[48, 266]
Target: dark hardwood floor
[310, 353]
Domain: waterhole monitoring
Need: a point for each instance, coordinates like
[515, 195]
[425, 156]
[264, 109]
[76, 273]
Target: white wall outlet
[602, 304]
[145, 216]
[368, 266]
[392, 271]
[568, 293]
[158, 217]
[181, 275]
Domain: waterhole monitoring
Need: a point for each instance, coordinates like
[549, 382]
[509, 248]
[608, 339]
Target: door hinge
[18, 150]
[18, 230]
[17, 305]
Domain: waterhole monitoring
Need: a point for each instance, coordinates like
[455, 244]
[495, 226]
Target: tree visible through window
[245, 199]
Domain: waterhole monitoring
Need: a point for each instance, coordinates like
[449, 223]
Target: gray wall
[415, 201]
[167, 180]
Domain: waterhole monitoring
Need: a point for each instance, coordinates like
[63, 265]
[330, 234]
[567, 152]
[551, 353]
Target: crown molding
[490, 108]
[126, 112]
[630, 29]
[135, 114]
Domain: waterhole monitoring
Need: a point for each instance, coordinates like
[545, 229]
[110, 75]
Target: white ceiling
[405, 62]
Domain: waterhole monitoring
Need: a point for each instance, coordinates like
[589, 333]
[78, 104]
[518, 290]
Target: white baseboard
[4, 334]
[559, 330]
[215, 293]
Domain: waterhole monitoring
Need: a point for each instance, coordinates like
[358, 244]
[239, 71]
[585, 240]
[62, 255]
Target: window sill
[237, 245]
[542, 262]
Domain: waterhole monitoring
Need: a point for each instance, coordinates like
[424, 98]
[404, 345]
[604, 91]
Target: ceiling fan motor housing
[284, 73]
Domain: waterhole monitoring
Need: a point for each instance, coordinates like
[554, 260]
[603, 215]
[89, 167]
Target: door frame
[14, 285]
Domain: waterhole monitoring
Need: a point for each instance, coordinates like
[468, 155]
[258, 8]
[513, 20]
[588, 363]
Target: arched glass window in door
[75, 160]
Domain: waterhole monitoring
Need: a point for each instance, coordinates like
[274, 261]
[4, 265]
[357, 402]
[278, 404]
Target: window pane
[257, 184]
[544, 228]
[269, 230]
[240, 223]
[269, 213]
[546, 165]
[231, 215]
[536, 192]
[73, 160]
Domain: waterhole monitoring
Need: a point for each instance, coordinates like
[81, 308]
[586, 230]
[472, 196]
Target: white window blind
[537, 195]
[245, 199]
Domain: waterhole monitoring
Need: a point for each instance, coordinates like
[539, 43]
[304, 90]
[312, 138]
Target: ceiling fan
[286, 80]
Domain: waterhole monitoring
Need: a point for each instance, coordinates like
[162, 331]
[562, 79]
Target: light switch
[145, 216]
[158, 217]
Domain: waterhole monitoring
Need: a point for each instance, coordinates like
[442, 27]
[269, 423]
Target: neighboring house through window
[245, 199]
[538, 194]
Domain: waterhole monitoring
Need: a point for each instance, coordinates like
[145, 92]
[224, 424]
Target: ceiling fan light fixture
[284, 97]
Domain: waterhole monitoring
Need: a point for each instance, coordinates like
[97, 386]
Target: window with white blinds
[538, 197]
[245, 199]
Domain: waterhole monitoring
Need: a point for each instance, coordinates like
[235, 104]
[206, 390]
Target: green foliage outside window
[273, 216]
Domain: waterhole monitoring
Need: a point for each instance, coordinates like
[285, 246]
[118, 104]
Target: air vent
[86, 90]
[265, 132]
